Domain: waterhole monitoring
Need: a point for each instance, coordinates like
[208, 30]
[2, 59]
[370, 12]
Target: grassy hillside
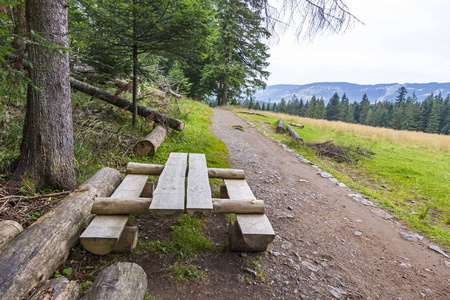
[409, 174]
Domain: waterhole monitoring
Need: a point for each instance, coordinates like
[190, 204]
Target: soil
[327, 244]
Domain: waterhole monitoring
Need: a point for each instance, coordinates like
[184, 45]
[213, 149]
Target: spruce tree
[332, 109]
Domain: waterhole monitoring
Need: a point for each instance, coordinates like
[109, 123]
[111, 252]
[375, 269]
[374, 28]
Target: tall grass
[409, 174]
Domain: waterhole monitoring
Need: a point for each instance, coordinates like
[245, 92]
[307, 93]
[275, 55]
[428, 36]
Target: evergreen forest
[431, 115]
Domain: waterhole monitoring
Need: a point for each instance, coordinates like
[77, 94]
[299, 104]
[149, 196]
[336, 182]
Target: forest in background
[432, 115]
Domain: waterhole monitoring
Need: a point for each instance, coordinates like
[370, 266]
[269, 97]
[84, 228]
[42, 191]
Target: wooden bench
[251, 232]
[108, 231]
[104, 232]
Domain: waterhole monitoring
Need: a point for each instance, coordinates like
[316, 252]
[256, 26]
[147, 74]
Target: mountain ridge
[375, 92]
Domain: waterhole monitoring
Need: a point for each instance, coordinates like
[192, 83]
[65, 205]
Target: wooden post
[33, 256]
[293, 134]
[9, 229]
[118, 282]
[280, 126]
[151, 142]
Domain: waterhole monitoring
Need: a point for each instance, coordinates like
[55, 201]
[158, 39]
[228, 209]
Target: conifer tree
[332, 109]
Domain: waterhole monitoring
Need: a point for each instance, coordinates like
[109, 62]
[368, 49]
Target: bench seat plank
[168, 197]
[256, 229]
[103, 233]
[199, 201]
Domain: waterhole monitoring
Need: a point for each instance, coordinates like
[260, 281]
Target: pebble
[325, 175]
[447, 263]
[275, 253]
[411, 236]
[438, 250]
[358, 233]
[276, 277]
[310, 266]
[336, 292]
[381, 213]
[302, 180]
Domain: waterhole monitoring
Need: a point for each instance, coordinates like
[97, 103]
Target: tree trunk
[135, 62]
[125, 104]
[120, 281]
[151, 142]
[33, 256]
[46, 154]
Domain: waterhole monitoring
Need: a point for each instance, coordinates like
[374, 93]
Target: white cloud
[402, 41]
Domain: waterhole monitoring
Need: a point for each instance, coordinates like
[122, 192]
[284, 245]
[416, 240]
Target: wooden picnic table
[173, 196]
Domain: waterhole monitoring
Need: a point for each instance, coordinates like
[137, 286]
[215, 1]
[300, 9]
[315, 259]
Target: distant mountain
[375, 93]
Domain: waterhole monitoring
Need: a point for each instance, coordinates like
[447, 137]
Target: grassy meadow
[409, 174]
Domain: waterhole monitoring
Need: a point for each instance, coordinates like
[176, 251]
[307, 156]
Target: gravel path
[331, 242]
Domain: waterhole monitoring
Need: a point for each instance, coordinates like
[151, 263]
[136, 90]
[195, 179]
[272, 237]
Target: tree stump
[280, 126]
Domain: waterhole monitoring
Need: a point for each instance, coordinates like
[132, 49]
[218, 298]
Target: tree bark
[58, 289]
[33, 256]
[46, 154]
[125, 104]
[151, 142]
[118, 282]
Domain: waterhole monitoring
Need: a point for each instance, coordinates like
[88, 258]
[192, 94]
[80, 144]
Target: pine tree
[332, 109]
[364, 109]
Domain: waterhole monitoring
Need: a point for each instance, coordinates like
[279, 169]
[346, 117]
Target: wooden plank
[255, 228]
[198, 198]
[131, 186]
[102, 235]
[168, 197]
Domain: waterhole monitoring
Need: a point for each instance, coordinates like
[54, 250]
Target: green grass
[410, 179]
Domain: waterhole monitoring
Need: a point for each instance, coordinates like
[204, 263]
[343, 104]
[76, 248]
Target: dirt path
[328, 245]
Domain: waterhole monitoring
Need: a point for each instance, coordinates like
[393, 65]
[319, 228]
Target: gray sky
[401, 41]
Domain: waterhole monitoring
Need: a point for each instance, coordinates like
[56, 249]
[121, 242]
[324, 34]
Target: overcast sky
[402, 41]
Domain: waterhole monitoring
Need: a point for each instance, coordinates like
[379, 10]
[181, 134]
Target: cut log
[153, 169]
[121, 206]
[168, 197]
[293, 134]
[280, 126]
[115, 206]
[296, 125]
[198, 196]
[118, 282]
[237, 242]
[226, 173]
[103, 233]
[34, 255]
[128, 105]
[128, 240]
[58, 289]
[144, 169]
[225, 206]
[9, 229]
[151, 142]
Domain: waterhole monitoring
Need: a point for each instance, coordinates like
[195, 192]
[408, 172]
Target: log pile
[33, 256]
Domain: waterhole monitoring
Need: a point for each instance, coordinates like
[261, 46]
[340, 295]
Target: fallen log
[156, 170]
[296, 125]
[252, 113]
[118, 206]
[128, 105]
[58, 289]
[33, 256]
[118, 282]
[151, 142]
[9, 229]
[280, 126]
[293, 134]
